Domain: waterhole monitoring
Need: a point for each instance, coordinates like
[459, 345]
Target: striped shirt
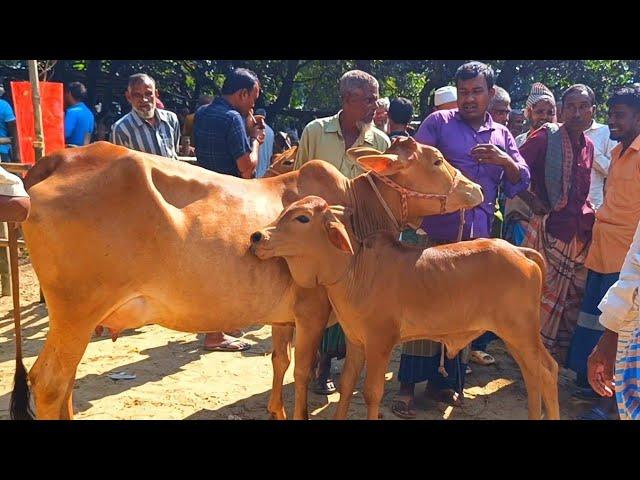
[163, 139]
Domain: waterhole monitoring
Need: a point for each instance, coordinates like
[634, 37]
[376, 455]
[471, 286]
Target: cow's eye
[303, 219]
[437, 163]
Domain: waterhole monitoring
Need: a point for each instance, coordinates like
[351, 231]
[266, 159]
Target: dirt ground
[176, 379]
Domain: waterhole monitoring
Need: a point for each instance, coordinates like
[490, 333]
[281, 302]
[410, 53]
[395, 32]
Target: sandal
[324, 387]
[482, 358]
[403, 407]
[234, 345]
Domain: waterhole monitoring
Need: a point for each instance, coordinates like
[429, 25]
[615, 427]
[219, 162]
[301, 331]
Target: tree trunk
[93, 70]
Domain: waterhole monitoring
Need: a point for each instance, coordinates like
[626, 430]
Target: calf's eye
[303, 219]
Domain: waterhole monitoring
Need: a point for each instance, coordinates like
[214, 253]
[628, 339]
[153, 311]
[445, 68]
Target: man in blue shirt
[7, 129]
[222, 145]
[220, 131]
[78, 119]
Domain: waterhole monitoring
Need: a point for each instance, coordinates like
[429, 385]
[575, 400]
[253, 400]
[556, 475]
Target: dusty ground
[176, 379]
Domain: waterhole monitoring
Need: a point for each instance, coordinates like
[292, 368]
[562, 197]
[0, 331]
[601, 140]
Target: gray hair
[140, 78]
[501, 95]
[356, 80]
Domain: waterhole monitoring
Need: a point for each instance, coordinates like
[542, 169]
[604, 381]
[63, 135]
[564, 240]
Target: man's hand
[488, 153]
[601, 364]
[258, 133]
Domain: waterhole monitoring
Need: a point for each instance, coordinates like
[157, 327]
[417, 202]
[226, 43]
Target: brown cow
[122, 239]
[282, 162]
[385, 292]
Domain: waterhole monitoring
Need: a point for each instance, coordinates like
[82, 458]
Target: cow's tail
[535, 256]
[19, 408]
[41, 170]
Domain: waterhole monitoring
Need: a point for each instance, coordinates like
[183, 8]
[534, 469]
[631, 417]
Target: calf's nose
[256, 237]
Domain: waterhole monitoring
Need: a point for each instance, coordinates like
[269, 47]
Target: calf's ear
[338, 236]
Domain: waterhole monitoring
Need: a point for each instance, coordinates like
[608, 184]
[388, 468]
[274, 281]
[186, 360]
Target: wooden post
[38, 143]
[4, 263]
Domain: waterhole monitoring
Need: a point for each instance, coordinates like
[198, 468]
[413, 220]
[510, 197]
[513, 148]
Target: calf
[385, 292]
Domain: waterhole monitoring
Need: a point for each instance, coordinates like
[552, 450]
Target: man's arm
[242, 148]
[14, 200]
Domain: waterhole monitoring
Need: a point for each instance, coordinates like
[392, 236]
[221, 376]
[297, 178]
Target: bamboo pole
[38, 143]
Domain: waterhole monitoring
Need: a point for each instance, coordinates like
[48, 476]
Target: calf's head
[422, 169]
[311, 238]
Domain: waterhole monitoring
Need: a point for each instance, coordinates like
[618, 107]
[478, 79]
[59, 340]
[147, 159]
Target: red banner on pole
[52, 118]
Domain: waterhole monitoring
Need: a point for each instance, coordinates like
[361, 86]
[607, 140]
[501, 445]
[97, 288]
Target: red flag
[51, 103]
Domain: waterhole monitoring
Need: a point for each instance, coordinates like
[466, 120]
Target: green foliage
[299, 89]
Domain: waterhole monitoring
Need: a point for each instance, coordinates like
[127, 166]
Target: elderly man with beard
[485, 152]
[540, 109]
[328, 139]
[147, 128]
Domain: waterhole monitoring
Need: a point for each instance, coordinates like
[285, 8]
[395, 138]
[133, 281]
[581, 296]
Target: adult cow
[123, 239]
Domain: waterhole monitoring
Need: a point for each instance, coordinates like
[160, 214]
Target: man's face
[540, 113]
[577, 111]
[142, 97]
[361, 104]
[500, 111]
[516, 123]
[248, 100]
[624, 123]
[473, 98]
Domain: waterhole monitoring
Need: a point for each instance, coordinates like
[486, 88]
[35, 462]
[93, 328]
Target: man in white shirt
[599, 135]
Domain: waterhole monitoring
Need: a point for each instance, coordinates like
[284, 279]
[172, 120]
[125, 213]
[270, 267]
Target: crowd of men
[564, 184]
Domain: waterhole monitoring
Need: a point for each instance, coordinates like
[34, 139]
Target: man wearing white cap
[446, 98]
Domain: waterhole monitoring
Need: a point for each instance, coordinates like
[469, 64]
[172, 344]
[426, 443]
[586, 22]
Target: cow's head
[421, 168]
[282, 162]
[311, 238]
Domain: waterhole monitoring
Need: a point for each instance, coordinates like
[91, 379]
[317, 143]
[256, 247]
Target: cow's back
[108, 223]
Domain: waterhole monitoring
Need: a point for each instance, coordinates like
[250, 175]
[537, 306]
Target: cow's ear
[338, 236]
[383, 164]
[356, 152]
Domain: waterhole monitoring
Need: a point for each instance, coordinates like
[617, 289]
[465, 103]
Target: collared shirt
[6, 115]
[576, 218]
[322, 139]
[455, 138]
[617, 218]
[265, 152]
[78, 122]
[220, 136]
[602, 143]
[162, 139]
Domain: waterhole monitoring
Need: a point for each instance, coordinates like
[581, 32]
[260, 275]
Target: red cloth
[51, 101]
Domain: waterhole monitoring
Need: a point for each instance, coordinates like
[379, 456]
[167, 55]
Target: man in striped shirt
[147, 128]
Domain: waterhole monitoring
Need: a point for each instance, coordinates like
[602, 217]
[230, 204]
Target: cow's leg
[307, 343]
[549, 382]
[350, 373]
[281, 337]
[525, 354]
[377, 358]
[311, 311]
[53, 373]
[67, 405]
